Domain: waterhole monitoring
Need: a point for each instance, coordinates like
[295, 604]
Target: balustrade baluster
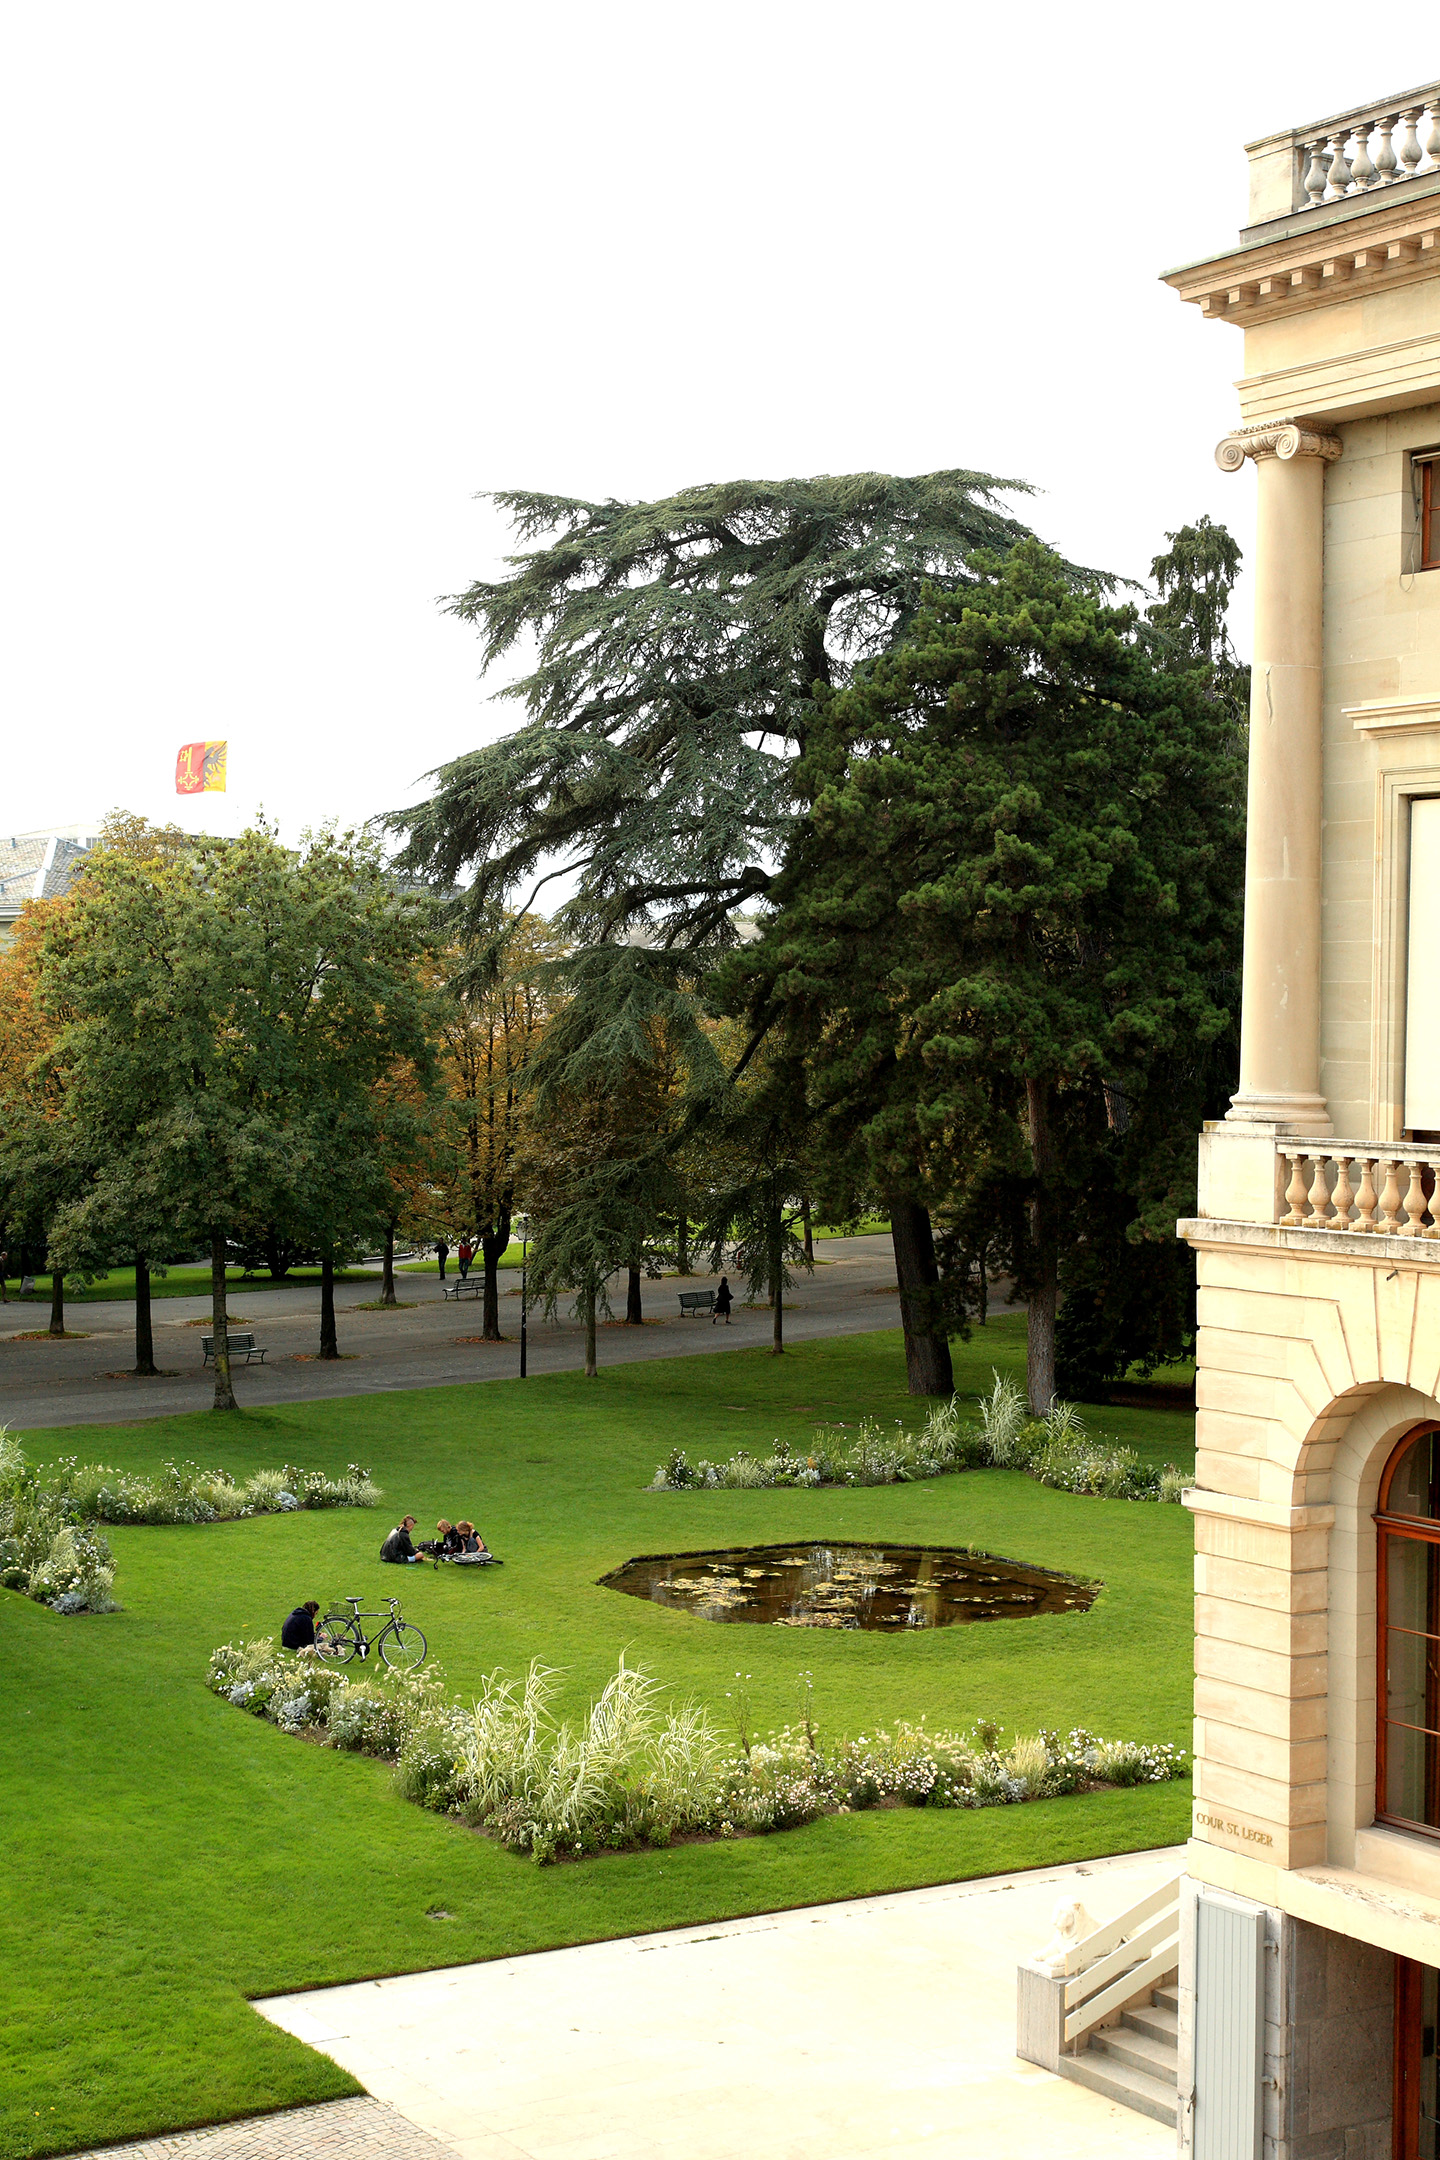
[1317, 1219]
[1385, 156]
[1339, 170]
[1360, 166]
[1432, 140]
[1390, 1197]
[1343, 1195]
[1365, 1198]
[1410, 151]
[1294, 1192]
[1414, 1202]
[1315, 173]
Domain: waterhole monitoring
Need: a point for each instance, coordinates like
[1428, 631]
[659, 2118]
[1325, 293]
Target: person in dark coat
[298, 1632]
[722, 1302]
[442, 1254]
[398, 1546]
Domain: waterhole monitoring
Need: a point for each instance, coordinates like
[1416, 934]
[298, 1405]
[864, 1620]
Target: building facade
[1310, 1917]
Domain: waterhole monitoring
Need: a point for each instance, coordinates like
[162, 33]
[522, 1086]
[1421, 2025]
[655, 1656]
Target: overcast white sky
[286, 286]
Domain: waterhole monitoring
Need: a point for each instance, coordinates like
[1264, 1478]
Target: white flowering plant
[1056, 1450]
[632, 1773]
[51, 1550]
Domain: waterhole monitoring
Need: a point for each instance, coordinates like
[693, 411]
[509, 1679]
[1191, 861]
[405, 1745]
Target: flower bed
[1056, 1450]
[49, 1549]
[634, 1775]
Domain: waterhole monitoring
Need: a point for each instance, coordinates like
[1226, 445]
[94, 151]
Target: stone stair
[1136, 2062]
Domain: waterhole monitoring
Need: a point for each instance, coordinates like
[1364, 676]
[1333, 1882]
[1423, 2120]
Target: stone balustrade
[1359, 1187]
[1378, 146]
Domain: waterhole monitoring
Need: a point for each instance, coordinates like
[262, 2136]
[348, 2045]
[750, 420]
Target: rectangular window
[1427, 510]
[1422, 1005]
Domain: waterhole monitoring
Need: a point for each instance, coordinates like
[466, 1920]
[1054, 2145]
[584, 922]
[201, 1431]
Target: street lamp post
[523, 1226]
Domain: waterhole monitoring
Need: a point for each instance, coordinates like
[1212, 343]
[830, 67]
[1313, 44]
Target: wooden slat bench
[696, 1301]
[473, 1287]
[242, 1346]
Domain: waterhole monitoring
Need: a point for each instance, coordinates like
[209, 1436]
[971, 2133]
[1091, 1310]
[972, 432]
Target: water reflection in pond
[850, 1586]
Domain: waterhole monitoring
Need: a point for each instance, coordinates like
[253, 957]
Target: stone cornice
[1387, 244]
[1281, 439]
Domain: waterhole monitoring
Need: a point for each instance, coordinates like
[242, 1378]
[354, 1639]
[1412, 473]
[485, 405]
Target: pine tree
[1049, 823]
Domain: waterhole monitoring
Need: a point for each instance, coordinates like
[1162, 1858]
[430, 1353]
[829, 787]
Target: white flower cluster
[633, 1774]
[1055, 1449]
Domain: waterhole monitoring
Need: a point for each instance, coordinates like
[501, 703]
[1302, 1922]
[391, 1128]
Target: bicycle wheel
[402, 1646]
[336, 1641]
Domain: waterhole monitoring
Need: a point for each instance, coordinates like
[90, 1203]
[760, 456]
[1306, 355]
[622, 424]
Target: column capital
[1281, 439]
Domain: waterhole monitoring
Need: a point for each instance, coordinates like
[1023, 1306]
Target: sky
[289, 288]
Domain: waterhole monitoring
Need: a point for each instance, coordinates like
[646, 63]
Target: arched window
[1408, 1595]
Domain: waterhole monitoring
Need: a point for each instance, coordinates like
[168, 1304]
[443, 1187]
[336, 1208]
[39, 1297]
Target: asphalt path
[433, 1343]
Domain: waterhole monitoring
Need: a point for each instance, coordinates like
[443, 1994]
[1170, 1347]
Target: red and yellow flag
[199, 768]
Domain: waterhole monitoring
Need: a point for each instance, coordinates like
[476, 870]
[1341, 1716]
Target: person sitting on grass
[445, 1544]
[398, 1547]
[473, 1549]
[298, 1632]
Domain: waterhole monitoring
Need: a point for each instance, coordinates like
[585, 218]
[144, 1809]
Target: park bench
[470, 1288]
[696, 1301]
[242, 1345]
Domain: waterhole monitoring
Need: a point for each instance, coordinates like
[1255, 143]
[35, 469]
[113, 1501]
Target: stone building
[1294, 1968]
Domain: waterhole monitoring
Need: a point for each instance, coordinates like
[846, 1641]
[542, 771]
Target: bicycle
[341, 1637]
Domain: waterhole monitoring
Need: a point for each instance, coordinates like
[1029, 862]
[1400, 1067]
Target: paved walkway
[434, 1344]
[841, 2032]
[340, 2130]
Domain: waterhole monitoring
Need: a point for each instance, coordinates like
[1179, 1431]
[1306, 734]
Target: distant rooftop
[39, 865]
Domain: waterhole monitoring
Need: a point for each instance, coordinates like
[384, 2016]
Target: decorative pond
[850, 1586]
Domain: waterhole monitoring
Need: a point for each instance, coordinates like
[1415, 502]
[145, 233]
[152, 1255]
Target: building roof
[39, 866]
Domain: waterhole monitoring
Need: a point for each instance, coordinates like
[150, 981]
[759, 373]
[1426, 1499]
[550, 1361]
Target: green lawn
[168, 1856]
[182, 1282]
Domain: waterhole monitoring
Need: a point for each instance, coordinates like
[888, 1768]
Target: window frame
[1416, 1529]
[1423, 464]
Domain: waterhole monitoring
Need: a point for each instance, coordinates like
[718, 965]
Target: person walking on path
[722, 1302]
[442, 1254]
[467, 1254]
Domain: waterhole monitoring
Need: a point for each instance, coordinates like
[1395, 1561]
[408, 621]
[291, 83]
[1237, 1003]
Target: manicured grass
[168, 1856]
[183, 1282]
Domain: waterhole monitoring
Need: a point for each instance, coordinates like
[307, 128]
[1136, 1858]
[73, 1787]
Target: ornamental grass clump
[632, 1773]
[1056, 1450]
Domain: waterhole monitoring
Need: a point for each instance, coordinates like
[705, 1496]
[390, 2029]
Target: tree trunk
[1045, 1297]
[591, 1367]
[57, 1304]
[928, 1370]
[777, 1325]
[329, 1347]
[387, 1273]
[809, 1230]
[682, 1243]
[493, 1247]
[634, 1316]
[144, 1338]
[220, 1328]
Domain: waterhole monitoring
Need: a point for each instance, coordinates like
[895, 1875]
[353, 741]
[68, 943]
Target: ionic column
[1280, 1015]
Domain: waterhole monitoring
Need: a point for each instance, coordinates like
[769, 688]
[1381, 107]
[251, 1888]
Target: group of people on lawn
[460, 1542]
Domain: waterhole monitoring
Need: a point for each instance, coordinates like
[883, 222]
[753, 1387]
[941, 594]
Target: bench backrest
[696, 1297]
[238, 1341]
